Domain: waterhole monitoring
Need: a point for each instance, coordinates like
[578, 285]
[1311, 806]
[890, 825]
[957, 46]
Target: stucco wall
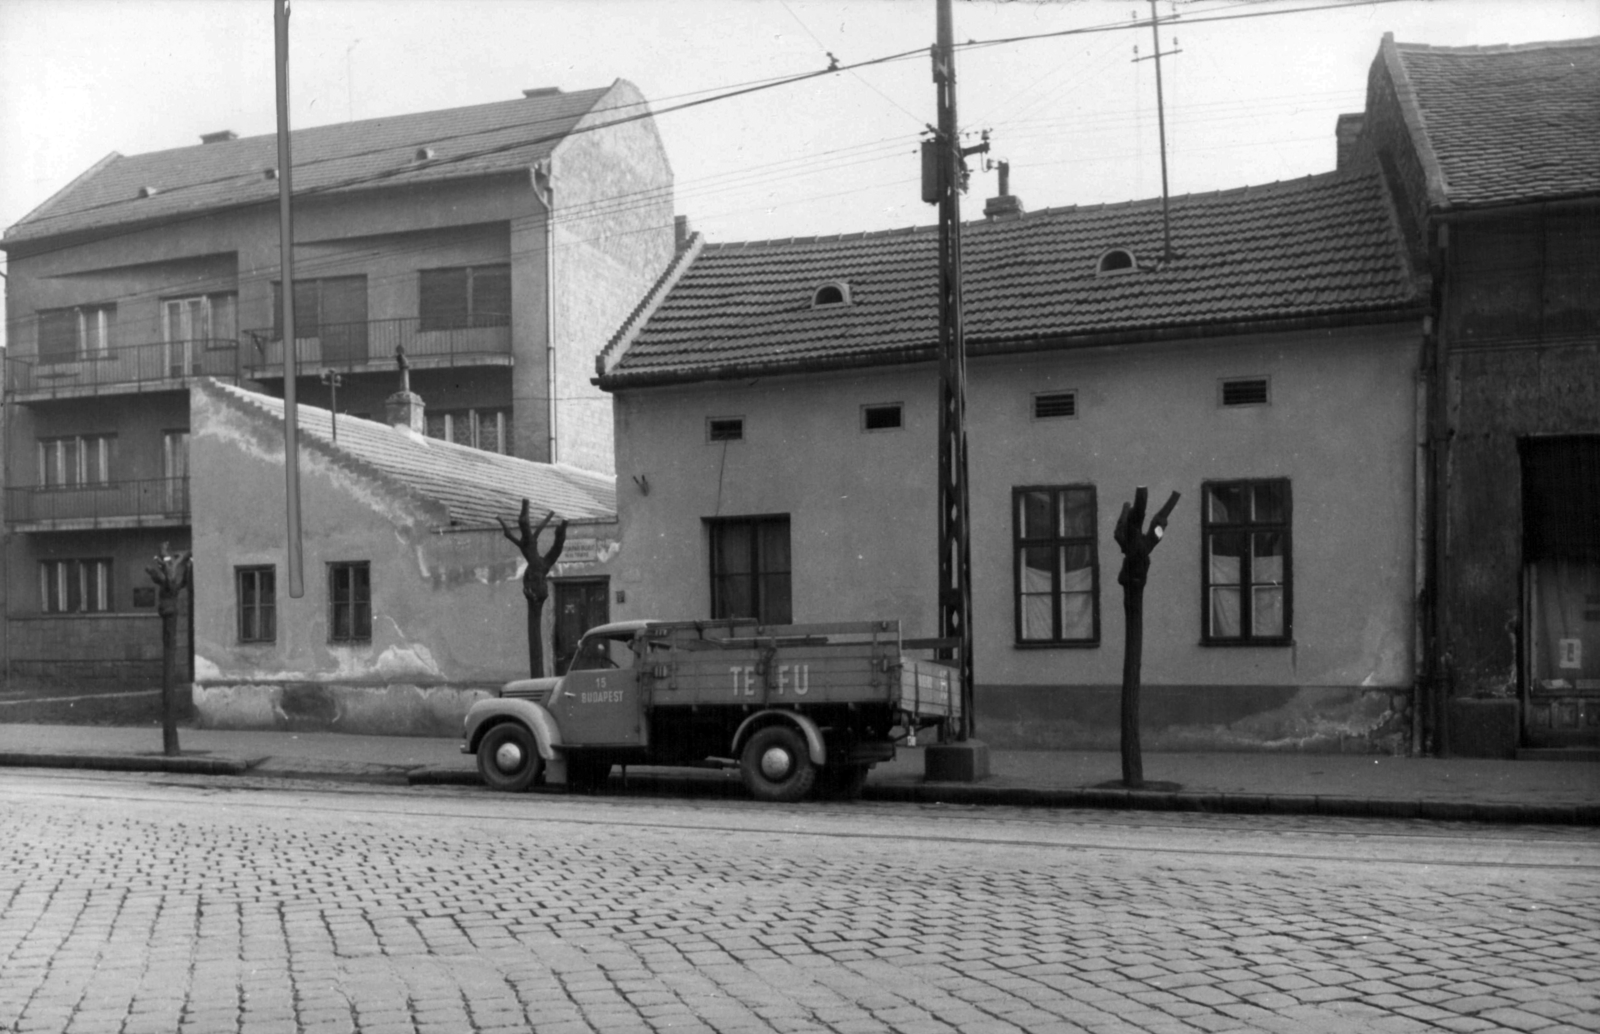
[861, 505]
[448, 615]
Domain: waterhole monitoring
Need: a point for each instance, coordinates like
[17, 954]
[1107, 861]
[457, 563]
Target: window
[83, 332]
[1117, 260]
[486, 429]
[1057, 566]
[881, 418]
[83, 459]
[1245, 563]
[75, 586]
[350, 602]
[725, 429]
[831, 294]
[257, 592]
[332, 310]
[469, 296]
[1245, 391]
[750, 569]
[189, 325]
[1055, 404]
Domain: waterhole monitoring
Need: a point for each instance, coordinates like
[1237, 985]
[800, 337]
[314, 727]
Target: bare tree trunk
[535, 578]
[1136, 548]
[170, 572]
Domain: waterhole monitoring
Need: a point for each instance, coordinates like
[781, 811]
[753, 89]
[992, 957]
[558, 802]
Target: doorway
[581, 604]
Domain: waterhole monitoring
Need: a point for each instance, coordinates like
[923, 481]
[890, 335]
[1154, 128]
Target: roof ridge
[1498, 48]
[262, 406]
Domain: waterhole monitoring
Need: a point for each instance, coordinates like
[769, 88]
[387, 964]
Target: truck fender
[486, 713]
[808, 728]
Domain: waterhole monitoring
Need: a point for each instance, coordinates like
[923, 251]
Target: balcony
[369, 345]
[148, 503]
[160, 366]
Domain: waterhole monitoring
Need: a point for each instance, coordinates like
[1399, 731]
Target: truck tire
[508, 758]
[842, 782]
[776, 766]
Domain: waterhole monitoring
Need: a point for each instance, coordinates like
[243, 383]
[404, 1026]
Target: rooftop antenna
[1161, 121]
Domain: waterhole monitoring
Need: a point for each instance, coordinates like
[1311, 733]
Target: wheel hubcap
[508, 758]
[776, 763]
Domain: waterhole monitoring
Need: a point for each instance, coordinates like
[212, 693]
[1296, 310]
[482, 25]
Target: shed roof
[1321, 246]
[1504, 124]
[473, 486]
[479, 140]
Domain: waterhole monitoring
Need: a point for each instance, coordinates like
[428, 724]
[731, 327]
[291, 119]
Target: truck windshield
[602, 652]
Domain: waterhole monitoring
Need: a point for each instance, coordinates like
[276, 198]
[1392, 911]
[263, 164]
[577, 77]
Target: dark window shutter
[491, 296]
[443, 301]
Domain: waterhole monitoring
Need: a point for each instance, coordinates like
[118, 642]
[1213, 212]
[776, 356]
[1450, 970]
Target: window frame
[470, 318]
[76, 321]
[359, 602]
[249, 624]
[761, 581]
[1056, 541]
[476, 418]
[55, 574]
[1249, 527]
[52, 454]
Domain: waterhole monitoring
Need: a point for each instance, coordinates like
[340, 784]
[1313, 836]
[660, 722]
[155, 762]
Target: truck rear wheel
[508, 758]
[776, 766]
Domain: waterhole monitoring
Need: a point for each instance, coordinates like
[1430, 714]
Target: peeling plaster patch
[206, 670]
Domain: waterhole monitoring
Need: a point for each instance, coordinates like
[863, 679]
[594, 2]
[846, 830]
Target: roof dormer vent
[830, 295]
[269, 174]
[542, 91]
[221, 136]
[145, 192]
[424, 154]
[1117, 260]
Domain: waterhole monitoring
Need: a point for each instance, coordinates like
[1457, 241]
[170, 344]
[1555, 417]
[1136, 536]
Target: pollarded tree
[536, 579]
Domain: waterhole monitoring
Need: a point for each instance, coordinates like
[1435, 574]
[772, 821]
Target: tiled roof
[471, 141]
[1319, 247]
[1507, 123]
[473, 486]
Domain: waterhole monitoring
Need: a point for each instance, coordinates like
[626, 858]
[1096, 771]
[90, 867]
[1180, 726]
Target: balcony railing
[483, 339]
[151, 501]
[144, 367]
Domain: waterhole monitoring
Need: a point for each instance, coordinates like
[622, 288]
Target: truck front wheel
[508, 758]
[776, 766]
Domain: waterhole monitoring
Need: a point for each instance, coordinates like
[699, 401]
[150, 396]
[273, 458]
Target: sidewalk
[1563, 792]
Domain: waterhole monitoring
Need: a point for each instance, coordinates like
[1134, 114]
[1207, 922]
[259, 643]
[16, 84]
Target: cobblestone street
[140, 905]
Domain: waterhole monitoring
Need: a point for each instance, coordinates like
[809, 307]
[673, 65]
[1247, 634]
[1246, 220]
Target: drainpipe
[544, 175]
[1432, 688]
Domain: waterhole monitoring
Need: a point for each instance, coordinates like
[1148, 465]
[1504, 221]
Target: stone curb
[185, 765]
[904, 792]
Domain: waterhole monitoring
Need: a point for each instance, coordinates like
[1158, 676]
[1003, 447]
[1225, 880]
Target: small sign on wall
[1571, 653]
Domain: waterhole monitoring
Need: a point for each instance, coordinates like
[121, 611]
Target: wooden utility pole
[170, 572]
[944, 178]
[1136, 548]
[535, 579]
[291, 414]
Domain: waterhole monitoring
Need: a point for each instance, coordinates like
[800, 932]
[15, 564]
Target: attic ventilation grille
[881, 418]
[725, 429]
[1055, 404]
[424, 154]
[1246, 391]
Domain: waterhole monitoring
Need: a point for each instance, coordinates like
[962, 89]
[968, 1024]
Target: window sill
[1280, 641]
[1057, 644]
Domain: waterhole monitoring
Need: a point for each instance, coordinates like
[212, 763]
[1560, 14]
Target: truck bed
[699, 664]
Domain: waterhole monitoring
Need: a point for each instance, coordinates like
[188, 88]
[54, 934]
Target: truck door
[600, 703]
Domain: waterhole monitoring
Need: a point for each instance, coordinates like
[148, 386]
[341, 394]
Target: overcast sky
[1247, 101]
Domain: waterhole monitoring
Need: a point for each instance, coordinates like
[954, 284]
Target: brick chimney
[680, 232]
[404, 409]
[1005, 206]
[1347, 134]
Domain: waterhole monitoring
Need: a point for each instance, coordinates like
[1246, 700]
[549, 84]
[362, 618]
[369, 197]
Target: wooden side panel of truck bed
[786, 674]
